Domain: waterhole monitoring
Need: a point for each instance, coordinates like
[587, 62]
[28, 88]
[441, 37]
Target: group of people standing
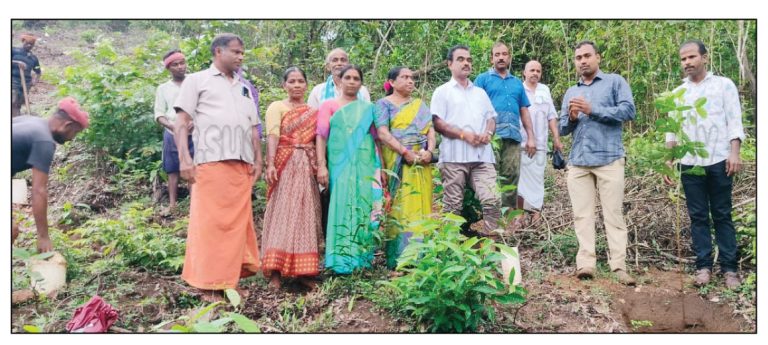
[341, 143]
[330, 142]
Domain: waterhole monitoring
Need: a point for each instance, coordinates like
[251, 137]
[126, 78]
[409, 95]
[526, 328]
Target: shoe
[625, 278]
[702, 277]
[732, 280]
[585, 273]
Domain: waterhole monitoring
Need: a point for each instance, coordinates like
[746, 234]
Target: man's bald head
[532, 72]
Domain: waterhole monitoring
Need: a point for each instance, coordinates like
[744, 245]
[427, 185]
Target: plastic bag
[558, 162]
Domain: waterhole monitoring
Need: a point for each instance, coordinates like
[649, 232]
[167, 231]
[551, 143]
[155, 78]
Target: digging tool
[24, 88]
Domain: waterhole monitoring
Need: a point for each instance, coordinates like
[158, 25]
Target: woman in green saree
[405, 127]
[345, 125]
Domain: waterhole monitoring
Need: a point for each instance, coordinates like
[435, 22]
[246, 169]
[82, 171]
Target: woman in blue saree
[345, 126]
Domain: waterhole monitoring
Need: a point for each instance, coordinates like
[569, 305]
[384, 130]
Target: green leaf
[474, 259]
[157, 327]
[452, 269]
[696, 171]
[469, 243]
[205, 310]
[21, 253]
[700, 102]
[233, 297]
[32, 329]
[507, 188]
[206, 327]
[454, 218]
[495, 257]
[221, 322]
[420, 300]
[486, 289]
[464, 277]
[702, 112]
[453, 247]
[512, 298]
[505, 249]
[181, 328]
[245, 324]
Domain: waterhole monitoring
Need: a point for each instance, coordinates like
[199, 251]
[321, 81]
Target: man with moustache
[511, 104]
[221, 239]
[722, 132]
[594, 111]
[464, 115]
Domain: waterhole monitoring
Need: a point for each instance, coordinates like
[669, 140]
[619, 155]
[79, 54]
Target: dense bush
[119, 91]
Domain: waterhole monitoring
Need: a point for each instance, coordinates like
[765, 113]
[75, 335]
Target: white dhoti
[531, 184]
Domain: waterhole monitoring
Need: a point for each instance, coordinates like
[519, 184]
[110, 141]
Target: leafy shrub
[450, 279]
[118, 90]
[133, 241]
[89, 36]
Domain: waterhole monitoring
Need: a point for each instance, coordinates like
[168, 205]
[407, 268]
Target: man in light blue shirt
[511, 104]
[594, 111]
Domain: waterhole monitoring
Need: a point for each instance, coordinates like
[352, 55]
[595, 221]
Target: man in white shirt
[722, 132]
[543, 115]
[465, 117]
[175, 62]
[336, 60]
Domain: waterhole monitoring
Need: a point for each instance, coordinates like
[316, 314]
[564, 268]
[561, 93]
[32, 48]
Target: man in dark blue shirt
[23, 57]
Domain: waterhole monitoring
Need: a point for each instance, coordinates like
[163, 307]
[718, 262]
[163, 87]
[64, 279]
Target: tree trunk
[745, 70]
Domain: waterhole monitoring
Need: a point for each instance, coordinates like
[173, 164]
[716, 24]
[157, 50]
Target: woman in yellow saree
[405, 127]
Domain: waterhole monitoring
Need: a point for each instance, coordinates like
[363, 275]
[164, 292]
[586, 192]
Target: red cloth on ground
[96, 316]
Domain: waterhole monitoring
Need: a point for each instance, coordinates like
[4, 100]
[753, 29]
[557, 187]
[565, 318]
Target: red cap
[70, 106]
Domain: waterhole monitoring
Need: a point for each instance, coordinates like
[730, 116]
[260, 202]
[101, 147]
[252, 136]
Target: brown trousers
[482, 179]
